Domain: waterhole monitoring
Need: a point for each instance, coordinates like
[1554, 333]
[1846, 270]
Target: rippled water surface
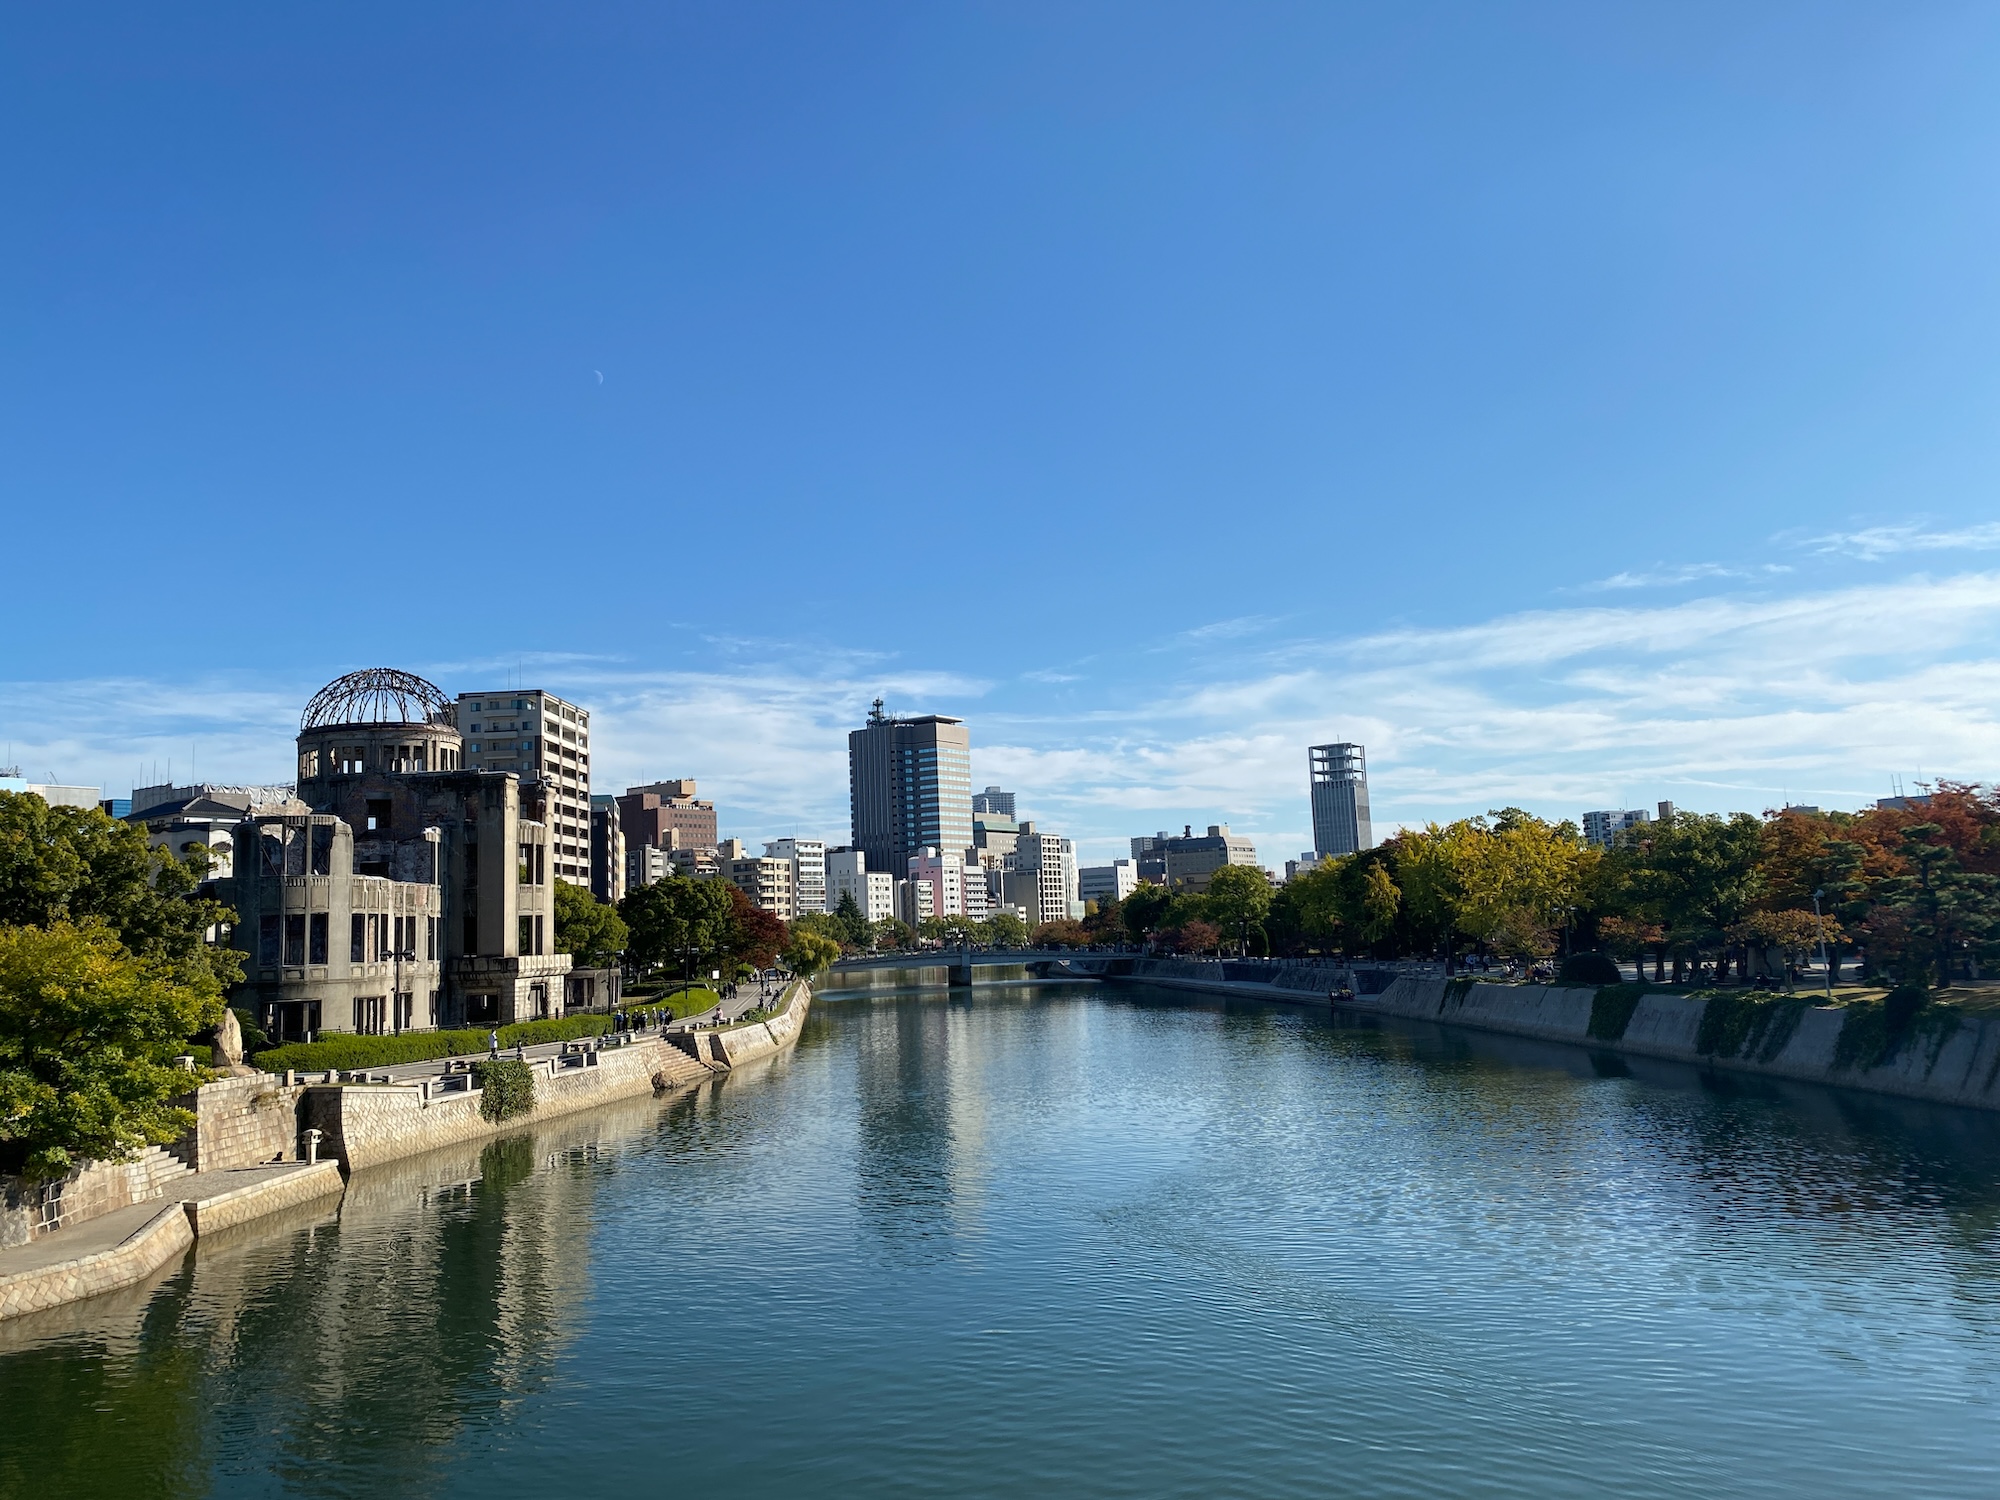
[1072, 1241]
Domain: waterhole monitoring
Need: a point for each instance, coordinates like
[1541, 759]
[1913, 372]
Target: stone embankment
[361, 1124]
[110, 1226]
[130, 1243]
[1941, 1056]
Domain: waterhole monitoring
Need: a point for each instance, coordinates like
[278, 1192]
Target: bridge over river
[966, 966]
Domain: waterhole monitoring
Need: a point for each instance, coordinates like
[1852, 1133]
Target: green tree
[808, 950]
[854, 925]
[1143, 909]
[1005, 930]
[678, 925]
[76, 864]
[895, 934]
[1381, 903]
[88, 1032]
[591, 933]
[1239, 896]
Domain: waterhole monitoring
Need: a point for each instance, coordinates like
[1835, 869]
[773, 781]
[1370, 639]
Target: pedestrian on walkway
[493, 1042]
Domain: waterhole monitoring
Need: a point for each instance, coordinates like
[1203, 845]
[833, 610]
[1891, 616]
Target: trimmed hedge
[352, 1052]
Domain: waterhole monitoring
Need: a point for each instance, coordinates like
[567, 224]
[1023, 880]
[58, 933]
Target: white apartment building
[767, 882]
[1043, 880]
[645, 865]
[808, 857]
[1112, 882]
[874, 891]
[1603, 827]
[538, 736]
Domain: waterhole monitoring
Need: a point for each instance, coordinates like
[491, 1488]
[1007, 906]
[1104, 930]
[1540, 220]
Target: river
[1061, 1240]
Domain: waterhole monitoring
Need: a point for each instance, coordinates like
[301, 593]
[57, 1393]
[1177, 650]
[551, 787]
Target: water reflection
[1064, 1240]
[363, 1335]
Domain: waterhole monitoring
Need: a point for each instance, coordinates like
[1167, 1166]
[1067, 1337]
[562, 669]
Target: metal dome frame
[378, 695]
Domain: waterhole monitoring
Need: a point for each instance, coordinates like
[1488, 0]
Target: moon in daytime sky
[600, 376]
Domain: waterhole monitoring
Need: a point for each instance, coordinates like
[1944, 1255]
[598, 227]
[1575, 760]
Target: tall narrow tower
[910, 787]
[1340, 799]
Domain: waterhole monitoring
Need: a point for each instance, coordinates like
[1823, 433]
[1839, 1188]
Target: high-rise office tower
[1340, 799]
[542, 739]
[909, 784]
[993, 801]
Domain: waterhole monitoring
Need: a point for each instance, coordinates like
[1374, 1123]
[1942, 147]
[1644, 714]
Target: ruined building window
[538, 937]
[295, 937]
[268, 927]
[541, 864]
[431, 937]
[357, 939]
[316, 943]
[378, 814]
[527, 936]
[322, 849]
[308, 764]
[471, 933]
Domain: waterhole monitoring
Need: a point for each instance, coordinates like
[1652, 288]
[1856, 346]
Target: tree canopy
[592, 933]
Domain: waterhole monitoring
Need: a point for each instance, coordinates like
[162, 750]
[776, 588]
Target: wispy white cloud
[1715, 702]
[1684, 573]
[1873, 543]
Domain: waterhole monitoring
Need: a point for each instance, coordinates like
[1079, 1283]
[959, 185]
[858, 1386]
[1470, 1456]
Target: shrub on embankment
[350, 1052]
[1873, 1032]
[506, 1088]
[1752, 1027]
[1611, 1010]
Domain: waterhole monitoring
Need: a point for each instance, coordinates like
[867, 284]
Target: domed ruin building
[415, 894]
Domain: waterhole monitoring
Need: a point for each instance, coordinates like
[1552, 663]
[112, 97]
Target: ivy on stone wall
[507, 1088]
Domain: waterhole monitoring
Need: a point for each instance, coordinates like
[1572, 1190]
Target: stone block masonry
[363, 1124]
[159, 1237]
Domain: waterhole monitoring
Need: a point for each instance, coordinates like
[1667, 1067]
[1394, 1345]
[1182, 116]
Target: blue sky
[1579, 405]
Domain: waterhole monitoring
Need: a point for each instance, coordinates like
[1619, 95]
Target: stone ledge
[269, 1194]
[166, 1235]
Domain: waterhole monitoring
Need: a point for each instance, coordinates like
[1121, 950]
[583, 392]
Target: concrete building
[995, 802]
[53, 793]
[808, 857]
[1603, 827]
[414, 893]
[767, 882]
[874, 891]
[1112, 882]
[1149, 856]
[537, 736]
[958, 886]
[646, 865]
[1310, 860]
[1191, 859]
[181, 818]
[1042, 878]
[667, 815]
[1339, 777]
[694, 864]
[909, 787]
[607, 851]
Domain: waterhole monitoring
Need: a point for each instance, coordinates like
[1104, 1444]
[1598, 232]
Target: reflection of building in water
[921, 1117]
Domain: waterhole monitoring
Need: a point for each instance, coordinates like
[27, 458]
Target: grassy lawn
[683, 1003]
